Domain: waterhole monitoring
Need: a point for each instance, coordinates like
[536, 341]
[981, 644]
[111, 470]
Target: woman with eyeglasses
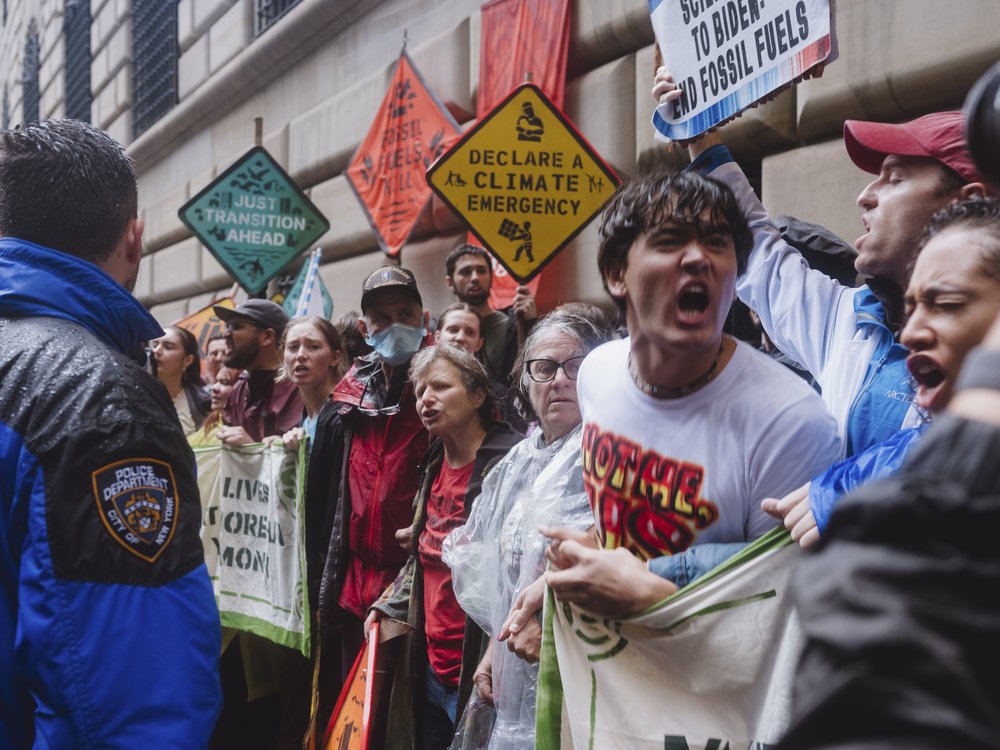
[455, 404]
[499, 552]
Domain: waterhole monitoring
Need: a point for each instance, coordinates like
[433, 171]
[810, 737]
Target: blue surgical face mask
[397, 343]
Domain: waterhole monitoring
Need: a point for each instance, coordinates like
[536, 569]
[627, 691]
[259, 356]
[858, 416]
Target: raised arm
[803, 310]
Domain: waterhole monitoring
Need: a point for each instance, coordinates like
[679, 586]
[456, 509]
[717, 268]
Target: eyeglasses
[239, 325]
[385, 411]
[544, 370]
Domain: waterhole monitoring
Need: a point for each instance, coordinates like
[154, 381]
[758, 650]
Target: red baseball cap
[939, 136]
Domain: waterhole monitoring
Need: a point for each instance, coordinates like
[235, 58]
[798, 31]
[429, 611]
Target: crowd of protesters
[462, 465]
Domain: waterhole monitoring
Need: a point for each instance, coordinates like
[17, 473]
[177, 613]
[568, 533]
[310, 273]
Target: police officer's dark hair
[979, 213]
[66, 185]
[661, 194]
[466, 249]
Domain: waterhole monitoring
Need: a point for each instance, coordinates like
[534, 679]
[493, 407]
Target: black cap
[263, 312]
[389, 277]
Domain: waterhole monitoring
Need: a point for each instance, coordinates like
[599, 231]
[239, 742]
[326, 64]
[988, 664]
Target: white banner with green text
[253, 531]
[709, 668]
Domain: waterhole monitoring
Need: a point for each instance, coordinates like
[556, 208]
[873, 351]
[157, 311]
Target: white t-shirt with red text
[663, 474]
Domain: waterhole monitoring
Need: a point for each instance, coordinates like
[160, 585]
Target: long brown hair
[329, 332]
[192, 373]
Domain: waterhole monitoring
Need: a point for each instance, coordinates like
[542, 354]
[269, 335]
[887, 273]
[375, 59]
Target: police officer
[109, 634]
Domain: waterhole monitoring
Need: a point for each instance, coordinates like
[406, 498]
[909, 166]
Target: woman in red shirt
[455, 404]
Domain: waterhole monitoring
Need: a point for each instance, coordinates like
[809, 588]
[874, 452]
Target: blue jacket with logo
[878, 462]
[838, 333]
[109, 633]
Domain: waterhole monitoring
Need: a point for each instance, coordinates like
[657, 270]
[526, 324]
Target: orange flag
[520, 37]
[387, 172]
[356, 722]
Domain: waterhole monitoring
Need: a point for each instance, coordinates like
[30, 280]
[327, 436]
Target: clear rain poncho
[499, 551]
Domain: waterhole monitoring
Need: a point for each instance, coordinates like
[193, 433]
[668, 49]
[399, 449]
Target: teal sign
[254, 219]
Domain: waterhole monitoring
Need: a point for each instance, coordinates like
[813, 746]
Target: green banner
[708, 668]
[254, 536]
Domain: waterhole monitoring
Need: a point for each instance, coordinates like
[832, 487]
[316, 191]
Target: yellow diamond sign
[524, 181]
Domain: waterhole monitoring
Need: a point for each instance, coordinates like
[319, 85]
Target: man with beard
[469, 274]
[258, 406]
[848, 337]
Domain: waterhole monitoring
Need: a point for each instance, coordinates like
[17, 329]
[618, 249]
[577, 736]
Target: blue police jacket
[109, 633]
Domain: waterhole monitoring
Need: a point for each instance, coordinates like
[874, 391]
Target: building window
[268, 12]
[76, 29]
[154, 61]
[30, 80]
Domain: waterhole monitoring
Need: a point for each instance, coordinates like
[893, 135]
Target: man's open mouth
[693, 302]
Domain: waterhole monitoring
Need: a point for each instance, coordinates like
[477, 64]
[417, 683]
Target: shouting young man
[685, 428]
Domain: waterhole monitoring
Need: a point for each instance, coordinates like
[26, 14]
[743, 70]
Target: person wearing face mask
[370, 444]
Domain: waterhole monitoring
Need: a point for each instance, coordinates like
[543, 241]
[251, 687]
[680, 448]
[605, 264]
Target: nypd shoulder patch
[137, 501]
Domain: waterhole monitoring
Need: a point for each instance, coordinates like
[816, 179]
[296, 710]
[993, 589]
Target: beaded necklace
[657, 391]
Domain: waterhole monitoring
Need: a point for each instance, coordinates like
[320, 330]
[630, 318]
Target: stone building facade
[181, 82]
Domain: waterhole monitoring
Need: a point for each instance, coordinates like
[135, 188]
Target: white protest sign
[727, 55]
[710, 668]
[254, 538]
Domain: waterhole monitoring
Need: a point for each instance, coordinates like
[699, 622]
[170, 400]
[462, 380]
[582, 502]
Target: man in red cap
[846, 336]
[922, 166]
